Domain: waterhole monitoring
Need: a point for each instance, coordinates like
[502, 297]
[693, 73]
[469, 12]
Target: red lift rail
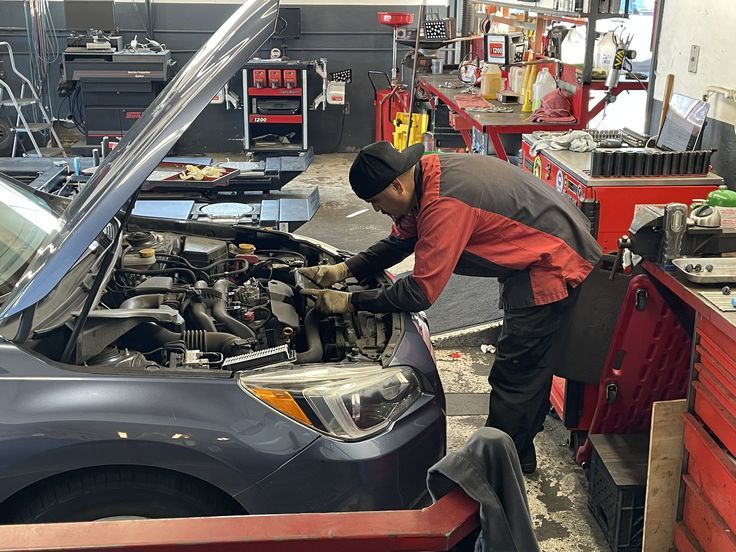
[436, 528]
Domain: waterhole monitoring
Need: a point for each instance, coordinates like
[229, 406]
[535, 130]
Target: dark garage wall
[348, 35]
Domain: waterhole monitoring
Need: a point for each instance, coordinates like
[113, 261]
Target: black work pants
[521, 376]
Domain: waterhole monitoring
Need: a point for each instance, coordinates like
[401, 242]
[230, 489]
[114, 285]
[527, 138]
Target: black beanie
[379, 164]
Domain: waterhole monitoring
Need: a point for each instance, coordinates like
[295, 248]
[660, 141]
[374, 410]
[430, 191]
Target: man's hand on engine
[330, 301]
[326, 275]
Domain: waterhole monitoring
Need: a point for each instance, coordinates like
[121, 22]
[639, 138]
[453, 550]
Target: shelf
[277, 147]
[280, 92]
[275, 119]
[533, 7]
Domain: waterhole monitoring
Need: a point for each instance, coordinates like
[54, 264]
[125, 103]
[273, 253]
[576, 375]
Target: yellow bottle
[529, 89]
[490, 81]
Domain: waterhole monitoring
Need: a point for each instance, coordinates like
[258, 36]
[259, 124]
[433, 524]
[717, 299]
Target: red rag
[555, 108]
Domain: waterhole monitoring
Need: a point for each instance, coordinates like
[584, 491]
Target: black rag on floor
[487, 468]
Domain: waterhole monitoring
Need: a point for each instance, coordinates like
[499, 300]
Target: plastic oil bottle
[605, 50]
[490, 81]
[544, 84]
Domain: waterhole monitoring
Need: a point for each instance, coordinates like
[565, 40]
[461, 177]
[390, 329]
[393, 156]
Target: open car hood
[140, 151]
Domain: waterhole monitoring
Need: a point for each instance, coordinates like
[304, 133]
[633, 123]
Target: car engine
[189, 303]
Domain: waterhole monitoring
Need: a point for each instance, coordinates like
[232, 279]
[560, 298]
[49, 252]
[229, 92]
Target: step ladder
[22, 125]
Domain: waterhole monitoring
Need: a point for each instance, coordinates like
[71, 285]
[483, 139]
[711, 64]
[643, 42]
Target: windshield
[27, 224]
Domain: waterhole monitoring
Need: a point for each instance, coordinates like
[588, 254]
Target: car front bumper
[386, 472]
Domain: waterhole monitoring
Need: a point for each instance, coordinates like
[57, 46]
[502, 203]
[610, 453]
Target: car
[153, 367]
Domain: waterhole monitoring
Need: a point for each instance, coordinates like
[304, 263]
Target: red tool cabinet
[609, 201]
[706, 514]
[707, 518]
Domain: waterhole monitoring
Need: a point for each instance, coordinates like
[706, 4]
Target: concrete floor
[558, 491]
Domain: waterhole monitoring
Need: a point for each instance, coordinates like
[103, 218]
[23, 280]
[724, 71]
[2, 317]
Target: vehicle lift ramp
[438, 527]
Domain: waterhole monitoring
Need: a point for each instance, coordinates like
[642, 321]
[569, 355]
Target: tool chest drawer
[705, 525]
[684, 539]
[714, 385]
[709, 407]
[718, 344]
[711, 469]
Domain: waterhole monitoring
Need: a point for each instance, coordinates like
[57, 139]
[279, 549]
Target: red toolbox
[608, 202]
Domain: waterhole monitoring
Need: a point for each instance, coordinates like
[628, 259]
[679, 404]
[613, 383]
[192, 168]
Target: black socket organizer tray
[626, 135]
[648, 162]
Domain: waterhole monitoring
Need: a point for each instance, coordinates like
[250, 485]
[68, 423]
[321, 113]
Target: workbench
[492, 124]
[497, 124]
[707, 507]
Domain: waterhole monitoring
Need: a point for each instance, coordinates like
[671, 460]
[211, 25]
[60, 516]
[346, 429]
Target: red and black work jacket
[479, 216]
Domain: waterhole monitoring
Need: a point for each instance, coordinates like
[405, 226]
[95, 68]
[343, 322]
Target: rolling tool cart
[275, 106]
[607, 198]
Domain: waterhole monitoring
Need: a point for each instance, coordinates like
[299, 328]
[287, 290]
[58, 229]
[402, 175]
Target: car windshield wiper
[107, 261]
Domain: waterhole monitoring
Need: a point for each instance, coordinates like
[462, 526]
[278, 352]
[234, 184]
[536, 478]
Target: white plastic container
[605, 50]
[516, 78]
[573, 47]
[544, 84]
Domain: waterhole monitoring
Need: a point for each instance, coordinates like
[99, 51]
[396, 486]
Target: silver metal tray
[724, 269]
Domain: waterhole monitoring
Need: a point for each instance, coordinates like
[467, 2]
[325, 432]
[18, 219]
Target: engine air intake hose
[314, 350]
[219, 311]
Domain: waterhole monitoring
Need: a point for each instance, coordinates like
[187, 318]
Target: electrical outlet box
[692, 66]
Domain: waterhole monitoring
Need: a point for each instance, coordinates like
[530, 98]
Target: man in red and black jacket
[478, 216]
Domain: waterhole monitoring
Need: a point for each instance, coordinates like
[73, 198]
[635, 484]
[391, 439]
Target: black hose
[225, 343]
[314, 350]
[231, 273]
[202, 273]
[219, 311]
[183, 260]
[149, 290]
[150, 336]
[161, 271]
[199, 314]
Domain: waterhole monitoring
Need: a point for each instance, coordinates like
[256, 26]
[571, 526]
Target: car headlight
[347, 402]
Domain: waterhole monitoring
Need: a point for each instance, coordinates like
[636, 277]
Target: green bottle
[722, 197]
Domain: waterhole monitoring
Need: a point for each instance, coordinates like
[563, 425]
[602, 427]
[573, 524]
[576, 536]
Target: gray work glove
[326, 275]
[330, 301]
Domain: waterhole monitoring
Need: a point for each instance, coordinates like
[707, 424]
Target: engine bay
[203, 305]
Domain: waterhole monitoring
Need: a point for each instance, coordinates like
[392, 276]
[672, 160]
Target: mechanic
[478, 216]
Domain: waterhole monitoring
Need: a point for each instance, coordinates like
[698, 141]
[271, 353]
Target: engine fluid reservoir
[143, 247]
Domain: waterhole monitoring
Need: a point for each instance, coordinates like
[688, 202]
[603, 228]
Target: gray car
[161, 368]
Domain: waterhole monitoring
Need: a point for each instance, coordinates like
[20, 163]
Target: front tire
[117, 492]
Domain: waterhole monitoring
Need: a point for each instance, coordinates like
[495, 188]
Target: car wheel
[118, 493]
[6, 137]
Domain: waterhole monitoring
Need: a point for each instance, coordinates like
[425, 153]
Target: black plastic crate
[618, 480]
